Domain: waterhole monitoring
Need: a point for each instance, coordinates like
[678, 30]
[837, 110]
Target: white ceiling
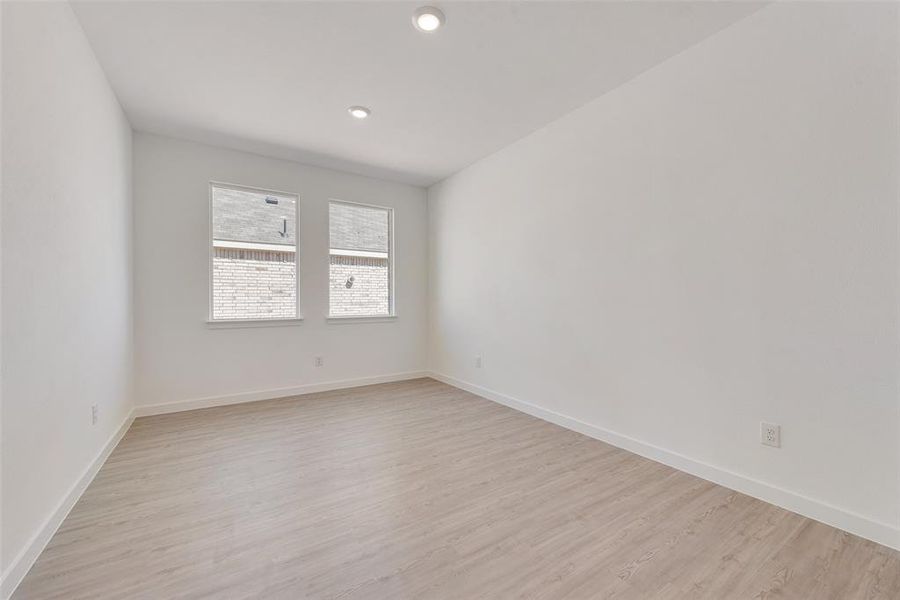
[276, 78]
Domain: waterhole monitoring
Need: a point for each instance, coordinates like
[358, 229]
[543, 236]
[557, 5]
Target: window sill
[355, 319]
[242, 323]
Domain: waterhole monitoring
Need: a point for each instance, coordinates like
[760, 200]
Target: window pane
[254, 254]
[360, 261]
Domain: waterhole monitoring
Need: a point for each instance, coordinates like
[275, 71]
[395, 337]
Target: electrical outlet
[320, 361]
[478, 362]
[95, 414]
[770, 434]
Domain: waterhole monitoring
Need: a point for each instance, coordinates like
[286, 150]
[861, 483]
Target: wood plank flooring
[419, 490]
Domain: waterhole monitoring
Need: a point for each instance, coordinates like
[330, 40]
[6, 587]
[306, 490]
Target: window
[253, 254]
[360, 261]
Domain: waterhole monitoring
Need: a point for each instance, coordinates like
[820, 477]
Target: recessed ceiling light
[360, 112]
[428, 18]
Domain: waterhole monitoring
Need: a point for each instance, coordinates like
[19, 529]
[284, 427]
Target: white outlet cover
[770, 434]
[478, 362]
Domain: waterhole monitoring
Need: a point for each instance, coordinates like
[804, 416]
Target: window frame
[252, 321]
[392, 288]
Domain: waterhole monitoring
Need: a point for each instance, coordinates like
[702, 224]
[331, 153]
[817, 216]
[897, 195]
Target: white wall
[66, 287]
[179, 358]
[710, 245]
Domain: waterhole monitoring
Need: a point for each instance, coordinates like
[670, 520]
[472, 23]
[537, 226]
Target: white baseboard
[21, 564]
[310, 388]
[26, 558]
[860, 525]
[857, 524]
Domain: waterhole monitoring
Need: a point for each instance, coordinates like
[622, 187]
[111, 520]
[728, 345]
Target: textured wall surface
[254, 216]
[354, 227]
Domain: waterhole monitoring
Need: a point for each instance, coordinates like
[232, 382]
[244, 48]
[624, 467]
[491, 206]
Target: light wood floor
[419, 490]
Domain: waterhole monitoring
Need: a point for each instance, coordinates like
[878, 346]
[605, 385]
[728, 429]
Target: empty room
[383, 300]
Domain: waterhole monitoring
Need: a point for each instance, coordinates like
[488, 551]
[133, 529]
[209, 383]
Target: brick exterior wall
[369, 292]
[355, 227]
[253, 284]
[259, 284]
